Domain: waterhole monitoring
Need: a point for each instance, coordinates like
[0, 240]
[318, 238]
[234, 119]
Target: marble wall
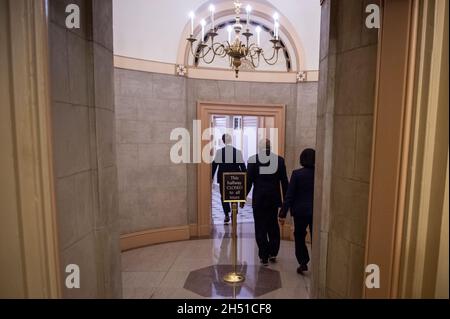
[83, 118]
[306, 122]
[153, 192]
[348, 58]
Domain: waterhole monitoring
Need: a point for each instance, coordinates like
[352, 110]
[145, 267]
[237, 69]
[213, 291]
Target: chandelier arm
[191, 49]
[222, 54]
[274, 58]
[211, 49]
[194, 54]
[215, 52]
[203, 56]
[215, 49]
[259, 59]
[254, 50]
[253, 58]
[219, 49]
[211, 60]
[274, 54]
[199, 54]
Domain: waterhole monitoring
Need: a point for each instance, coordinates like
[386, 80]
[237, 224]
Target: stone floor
[194, 270]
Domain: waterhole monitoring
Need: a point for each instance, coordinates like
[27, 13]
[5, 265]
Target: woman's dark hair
[308, 158]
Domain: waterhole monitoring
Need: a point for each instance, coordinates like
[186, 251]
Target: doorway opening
[247, 124]
[246, 132]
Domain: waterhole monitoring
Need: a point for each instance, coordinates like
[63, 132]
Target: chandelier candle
[203, 24]
[249, 10]
[277, 30]
[192, 16]
[229, 29]
[212, 9]
[276, 24]
[258, 35]
[276, 17]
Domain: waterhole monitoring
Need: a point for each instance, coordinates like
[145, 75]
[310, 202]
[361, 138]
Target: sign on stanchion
[234, 192]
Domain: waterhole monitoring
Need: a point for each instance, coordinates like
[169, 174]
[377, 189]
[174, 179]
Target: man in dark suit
[227, 160]
[267, 175]
[299, 200]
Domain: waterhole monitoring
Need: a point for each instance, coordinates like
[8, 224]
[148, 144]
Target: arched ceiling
[155, 29]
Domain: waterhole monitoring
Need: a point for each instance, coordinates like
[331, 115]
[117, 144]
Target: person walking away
[299, 200]
[267, 174]
[227, 160]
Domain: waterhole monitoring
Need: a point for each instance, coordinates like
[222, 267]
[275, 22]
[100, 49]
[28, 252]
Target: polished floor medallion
[208, 282]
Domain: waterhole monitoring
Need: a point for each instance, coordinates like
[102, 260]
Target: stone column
[348, 60]
[84, 146]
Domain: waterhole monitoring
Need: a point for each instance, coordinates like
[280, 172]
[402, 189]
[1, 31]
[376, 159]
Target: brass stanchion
[234, 277]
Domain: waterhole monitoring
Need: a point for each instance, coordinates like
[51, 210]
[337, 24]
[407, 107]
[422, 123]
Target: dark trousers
[226, 206]
[301, 251]
[267, 231]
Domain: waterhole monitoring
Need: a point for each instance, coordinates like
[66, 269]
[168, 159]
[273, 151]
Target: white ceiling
[152, 29]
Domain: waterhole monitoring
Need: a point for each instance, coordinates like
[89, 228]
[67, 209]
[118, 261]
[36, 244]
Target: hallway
[111, 121]
[194, 269]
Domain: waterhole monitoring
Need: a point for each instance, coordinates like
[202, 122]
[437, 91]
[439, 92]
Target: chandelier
[239, 49]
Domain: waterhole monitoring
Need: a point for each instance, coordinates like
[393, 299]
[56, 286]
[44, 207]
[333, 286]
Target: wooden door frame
[28, 104]
[406, 107]
[204, 110]
[423, 263]
[391, 120]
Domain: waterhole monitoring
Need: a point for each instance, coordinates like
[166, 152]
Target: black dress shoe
[265, 262]
[273, 259]
[301, 269]
[227, 219]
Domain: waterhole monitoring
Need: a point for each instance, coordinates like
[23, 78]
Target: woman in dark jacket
[299, 200]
